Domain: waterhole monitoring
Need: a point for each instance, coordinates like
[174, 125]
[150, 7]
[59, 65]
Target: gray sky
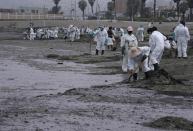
[66, 4]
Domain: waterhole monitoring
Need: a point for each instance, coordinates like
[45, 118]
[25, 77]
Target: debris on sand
[58, 57]
[60, 63]
[53, 56]
[171, 123]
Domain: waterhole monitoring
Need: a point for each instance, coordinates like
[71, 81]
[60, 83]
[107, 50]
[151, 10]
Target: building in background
[2, 10]
[121, 7]
[32, 10]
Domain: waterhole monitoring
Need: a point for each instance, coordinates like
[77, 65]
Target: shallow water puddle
[18, 76]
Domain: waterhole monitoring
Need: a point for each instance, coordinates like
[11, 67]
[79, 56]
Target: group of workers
[41, 33]
[107, 36]
[72, 33]
[134, 57]
[147, 57]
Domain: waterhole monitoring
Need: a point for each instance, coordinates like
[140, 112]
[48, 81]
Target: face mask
[130, 32]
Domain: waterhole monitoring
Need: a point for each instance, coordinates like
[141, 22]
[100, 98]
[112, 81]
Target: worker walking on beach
[101, 38]
[32, 34]
[72, 32]
[182, 37]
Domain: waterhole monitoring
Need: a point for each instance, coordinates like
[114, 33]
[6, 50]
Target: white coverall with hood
[182, 37]
[119, 32]
[48, 34]
[77, 33]
[32, 34]
[140, 34]
[72, 33]
[157, 44]
[56, 30]
[135, 62]
[40, 33]
[127, 41]
[101, 38]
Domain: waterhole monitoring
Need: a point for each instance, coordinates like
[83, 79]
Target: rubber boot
[114, 48]
[102, 53]
[147, 75]
[135, 77]
[156, 67]
[97, 52]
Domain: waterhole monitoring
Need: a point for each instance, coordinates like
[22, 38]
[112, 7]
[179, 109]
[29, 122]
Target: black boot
[147, 75]
[102, 53]
[97, 52]
[135, 77]
[156, 67]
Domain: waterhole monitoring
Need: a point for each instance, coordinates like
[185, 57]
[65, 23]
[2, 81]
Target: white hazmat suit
[101, 38]
[182, 37]
[127, 41]
[72, 33]
[32, 34]
[77, 33]
[157, 44]
[140, 34]
[136, 61]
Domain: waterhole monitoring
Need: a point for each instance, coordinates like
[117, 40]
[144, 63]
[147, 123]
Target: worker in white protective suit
[127, 41]
[32, 34]
[56, 30]
[157, 44]
[77, 33]
[111, 38]
[120, 32]
[40, 33]
[101, 38]
[140, 34]
[82, 30]
[182, 37]
[48, 34]
[139, 58]
[72, 33]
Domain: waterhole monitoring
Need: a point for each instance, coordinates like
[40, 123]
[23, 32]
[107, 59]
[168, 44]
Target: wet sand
[41, 94]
